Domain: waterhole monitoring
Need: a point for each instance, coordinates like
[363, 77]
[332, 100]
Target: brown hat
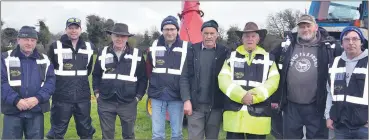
[306, 19]
[252, 27]
[120, 29]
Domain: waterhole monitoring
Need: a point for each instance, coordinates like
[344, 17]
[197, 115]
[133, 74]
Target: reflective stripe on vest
[266, 64]
[131, 77]
[60, 51]
[155, 48]
[12, 61]
[352, 99]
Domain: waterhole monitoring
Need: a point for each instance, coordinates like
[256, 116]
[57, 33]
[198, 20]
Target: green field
[142, 127]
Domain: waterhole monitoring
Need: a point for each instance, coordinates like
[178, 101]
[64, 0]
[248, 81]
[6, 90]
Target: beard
[307, 37]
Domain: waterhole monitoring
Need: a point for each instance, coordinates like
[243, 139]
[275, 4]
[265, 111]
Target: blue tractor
[334, 16]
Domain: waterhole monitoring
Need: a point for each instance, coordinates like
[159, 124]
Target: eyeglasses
[74, 20]
[354, 39]
[169, 29]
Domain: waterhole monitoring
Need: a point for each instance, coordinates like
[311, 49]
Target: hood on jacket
[357, 58]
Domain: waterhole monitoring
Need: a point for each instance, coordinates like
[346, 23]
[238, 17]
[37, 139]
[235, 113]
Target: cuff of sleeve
[96, 91]
[139, 97]
[39, 98]
[16, 100]
[186, 98]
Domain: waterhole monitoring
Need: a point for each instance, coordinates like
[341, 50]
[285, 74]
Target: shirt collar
[203, 46]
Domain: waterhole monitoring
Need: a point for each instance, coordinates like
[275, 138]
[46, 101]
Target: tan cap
[306, 19]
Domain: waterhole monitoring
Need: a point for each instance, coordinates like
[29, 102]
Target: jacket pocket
[261, 109]
[359, 117]
[230, 105]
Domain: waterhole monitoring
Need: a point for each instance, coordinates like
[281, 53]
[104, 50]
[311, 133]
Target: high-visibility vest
[107, 58]
[159, 59]
[68, 69]
[350, 101]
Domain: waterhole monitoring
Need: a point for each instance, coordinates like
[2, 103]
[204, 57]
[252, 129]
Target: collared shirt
[120, 52]
[203, 47]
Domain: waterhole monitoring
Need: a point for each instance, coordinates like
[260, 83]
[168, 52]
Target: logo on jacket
[109, 70]
[15, 73]
[338, 88]
[239, 75]
[68, 66]
[160, 61]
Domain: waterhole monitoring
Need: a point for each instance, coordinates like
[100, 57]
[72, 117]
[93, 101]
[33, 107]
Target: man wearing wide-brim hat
[248, 78]
[119, 82]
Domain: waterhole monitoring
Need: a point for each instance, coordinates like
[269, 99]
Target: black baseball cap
[73, 20]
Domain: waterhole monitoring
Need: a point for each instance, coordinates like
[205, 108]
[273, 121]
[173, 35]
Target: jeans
[15, 126]
[295, 116]
[175, 109]
[342, 132]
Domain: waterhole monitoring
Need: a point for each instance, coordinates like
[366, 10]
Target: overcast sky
[139, 15]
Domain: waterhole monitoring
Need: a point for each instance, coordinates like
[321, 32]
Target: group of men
[305, 81]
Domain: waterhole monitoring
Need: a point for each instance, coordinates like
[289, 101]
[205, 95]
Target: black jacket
[326, 53]
[191, 73]
[125, 90]
[72, 88]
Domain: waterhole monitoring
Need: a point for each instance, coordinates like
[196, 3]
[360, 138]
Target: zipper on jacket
[26, 75]
[75, 60]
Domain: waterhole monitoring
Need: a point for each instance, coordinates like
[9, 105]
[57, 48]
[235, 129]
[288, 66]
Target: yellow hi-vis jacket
[241, 121]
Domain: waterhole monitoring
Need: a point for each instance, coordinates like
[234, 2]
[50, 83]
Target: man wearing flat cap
[165, 61]
[248, 78]
[27, 83]
[303, 60]
[119, 82]
[72, 58]
[203, 100]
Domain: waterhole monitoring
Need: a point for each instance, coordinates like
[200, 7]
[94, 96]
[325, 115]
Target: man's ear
[316, 27]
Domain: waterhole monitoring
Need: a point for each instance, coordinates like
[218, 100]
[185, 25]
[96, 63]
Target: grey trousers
[204, 122]
[108, 110]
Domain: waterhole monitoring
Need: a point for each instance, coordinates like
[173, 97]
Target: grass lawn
[142, 127]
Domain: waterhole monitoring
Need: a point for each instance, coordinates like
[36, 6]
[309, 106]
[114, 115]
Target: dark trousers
[15, 127]
[61, 112]
[204, 122]
[295, 116]
[342, 132]
[108, 110]
[231, 135]
[277, 124]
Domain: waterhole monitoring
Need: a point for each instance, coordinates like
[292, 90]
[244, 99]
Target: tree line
[277, 23]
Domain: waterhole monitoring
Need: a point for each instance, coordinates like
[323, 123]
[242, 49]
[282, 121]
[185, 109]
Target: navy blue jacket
[31, 83]
[165, 86]
[72, 89]
[122, 90]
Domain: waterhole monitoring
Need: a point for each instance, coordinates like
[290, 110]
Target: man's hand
[187, 107]
[329, 123]
[22, 105]
[247, 99]
[274, 105]
[32, 102]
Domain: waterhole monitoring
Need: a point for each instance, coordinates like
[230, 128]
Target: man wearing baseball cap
[72, 58]
[349, 80]
[28, 81]
[165, 62]
[302, 61]
[203, 100]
